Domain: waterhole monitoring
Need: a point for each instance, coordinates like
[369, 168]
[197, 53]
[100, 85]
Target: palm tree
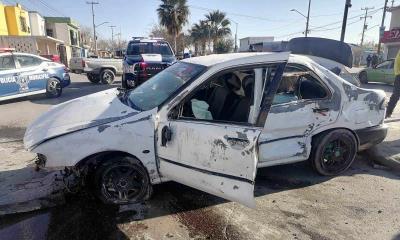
[173, 15]
[219, 25]
[199, 35]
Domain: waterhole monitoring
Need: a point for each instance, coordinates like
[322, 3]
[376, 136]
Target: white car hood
[80, 113]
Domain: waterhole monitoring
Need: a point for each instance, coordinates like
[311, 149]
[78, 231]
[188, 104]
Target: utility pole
[236, 31]
[112, 36]
[344, 23]
[382, 28]
[365, 26]
[308, 18]
[94, 26]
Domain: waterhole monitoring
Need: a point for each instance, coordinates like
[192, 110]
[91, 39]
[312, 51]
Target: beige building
[40, 45]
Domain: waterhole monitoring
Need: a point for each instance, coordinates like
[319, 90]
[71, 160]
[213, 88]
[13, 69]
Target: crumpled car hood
[80, 113]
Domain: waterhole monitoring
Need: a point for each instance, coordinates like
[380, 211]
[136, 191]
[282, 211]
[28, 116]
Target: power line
[51, 8]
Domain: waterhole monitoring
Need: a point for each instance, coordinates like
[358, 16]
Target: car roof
[24, 54]
[145, 40]
[216, 59]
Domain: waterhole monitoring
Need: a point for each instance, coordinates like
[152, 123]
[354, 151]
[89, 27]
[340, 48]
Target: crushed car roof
[215, 59]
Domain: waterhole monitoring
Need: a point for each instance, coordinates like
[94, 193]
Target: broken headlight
[40, 160]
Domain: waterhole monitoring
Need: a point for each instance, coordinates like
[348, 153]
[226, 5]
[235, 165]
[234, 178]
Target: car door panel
[216, 158]
[32, 78]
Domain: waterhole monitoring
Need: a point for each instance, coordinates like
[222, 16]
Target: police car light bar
[7, 50]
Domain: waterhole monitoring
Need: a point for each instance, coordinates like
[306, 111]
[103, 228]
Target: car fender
[134, 136]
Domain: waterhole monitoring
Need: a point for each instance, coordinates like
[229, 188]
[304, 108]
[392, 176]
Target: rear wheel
[363, 77]
[93, 78]
[53, 89]
[333, 152]
[107, 76]
[122, 180]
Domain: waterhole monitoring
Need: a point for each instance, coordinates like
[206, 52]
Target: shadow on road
[84, 217]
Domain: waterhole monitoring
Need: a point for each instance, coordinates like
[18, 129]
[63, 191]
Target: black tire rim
[108, 77]
[122, 183]
[54, 87]
[363, 77]
[337, 155]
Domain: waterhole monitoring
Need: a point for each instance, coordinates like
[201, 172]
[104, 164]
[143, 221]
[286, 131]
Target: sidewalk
[388, 152]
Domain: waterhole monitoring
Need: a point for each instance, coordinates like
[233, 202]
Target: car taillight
[83, 63]
[143, 66]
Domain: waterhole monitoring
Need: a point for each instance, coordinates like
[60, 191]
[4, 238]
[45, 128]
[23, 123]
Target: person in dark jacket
[369, 59]
[374, 61]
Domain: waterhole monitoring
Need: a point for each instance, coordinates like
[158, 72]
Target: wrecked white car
[209, 123]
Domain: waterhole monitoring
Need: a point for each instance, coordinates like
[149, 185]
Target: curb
[388, 161]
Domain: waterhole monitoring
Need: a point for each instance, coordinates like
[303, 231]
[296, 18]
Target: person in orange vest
[396, 90]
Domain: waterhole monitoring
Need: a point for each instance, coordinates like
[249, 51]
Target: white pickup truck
[102, 70]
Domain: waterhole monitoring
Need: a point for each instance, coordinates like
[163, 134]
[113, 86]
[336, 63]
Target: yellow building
[3, 22]
[17, 21]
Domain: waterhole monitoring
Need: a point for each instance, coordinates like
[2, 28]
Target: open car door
[216, 157]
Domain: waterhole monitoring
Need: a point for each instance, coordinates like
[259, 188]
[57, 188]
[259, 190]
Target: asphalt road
[292, 201]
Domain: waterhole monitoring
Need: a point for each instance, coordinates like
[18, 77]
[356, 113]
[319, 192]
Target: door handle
[237, 141]
[321, 111]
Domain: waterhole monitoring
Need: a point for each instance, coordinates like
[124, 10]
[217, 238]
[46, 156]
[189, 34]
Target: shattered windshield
[157, 89]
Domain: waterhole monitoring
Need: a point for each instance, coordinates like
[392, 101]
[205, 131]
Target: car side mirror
[166, 135]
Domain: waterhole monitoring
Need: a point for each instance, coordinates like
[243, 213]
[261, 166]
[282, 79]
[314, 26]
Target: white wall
[37, 24]
[245, 42]
[395, 19]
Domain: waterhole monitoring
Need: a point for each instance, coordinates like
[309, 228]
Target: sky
[254, 17]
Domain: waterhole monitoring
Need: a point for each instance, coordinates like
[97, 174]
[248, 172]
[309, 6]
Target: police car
[23, 74]
[144, 58]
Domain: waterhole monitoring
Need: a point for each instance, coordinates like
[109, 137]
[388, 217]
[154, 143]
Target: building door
[62, 51]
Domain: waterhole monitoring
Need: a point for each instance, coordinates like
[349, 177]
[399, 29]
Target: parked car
[383, 72]
[102, 70]
[144, 58]
[77, 64]
[23, 74]
[209, 122]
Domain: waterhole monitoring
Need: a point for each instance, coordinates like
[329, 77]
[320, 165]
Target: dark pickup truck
[144, 58]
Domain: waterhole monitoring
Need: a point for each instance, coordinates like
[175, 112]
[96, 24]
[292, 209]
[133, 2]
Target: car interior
[228, 98]
[297, 84]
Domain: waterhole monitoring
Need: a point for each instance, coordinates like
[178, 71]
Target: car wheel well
[108, 68]
[314, 137]
[90, 163]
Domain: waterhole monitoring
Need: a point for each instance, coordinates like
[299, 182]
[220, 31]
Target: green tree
[219, 25]
[224, 46]
[199, 37]
[173, 15]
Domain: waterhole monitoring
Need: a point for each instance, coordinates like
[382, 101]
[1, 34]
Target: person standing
[396, 89]
[374, 61]
[369, 59]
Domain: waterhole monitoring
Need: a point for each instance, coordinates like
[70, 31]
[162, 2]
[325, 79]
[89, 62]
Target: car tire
[333, 152]
[93, 78]
[363, 77]
[122, 180]
[107, 76]
[53, 88]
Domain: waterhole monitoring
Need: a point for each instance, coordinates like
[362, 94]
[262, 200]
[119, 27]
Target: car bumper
[371, 136]
[133, 80]
[66, 80]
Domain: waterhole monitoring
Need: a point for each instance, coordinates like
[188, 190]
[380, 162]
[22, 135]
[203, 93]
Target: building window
[74, 37]
[49, 32]
[24, 26]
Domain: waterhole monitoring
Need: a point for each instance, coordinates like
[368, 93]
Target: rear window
[137, 48]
